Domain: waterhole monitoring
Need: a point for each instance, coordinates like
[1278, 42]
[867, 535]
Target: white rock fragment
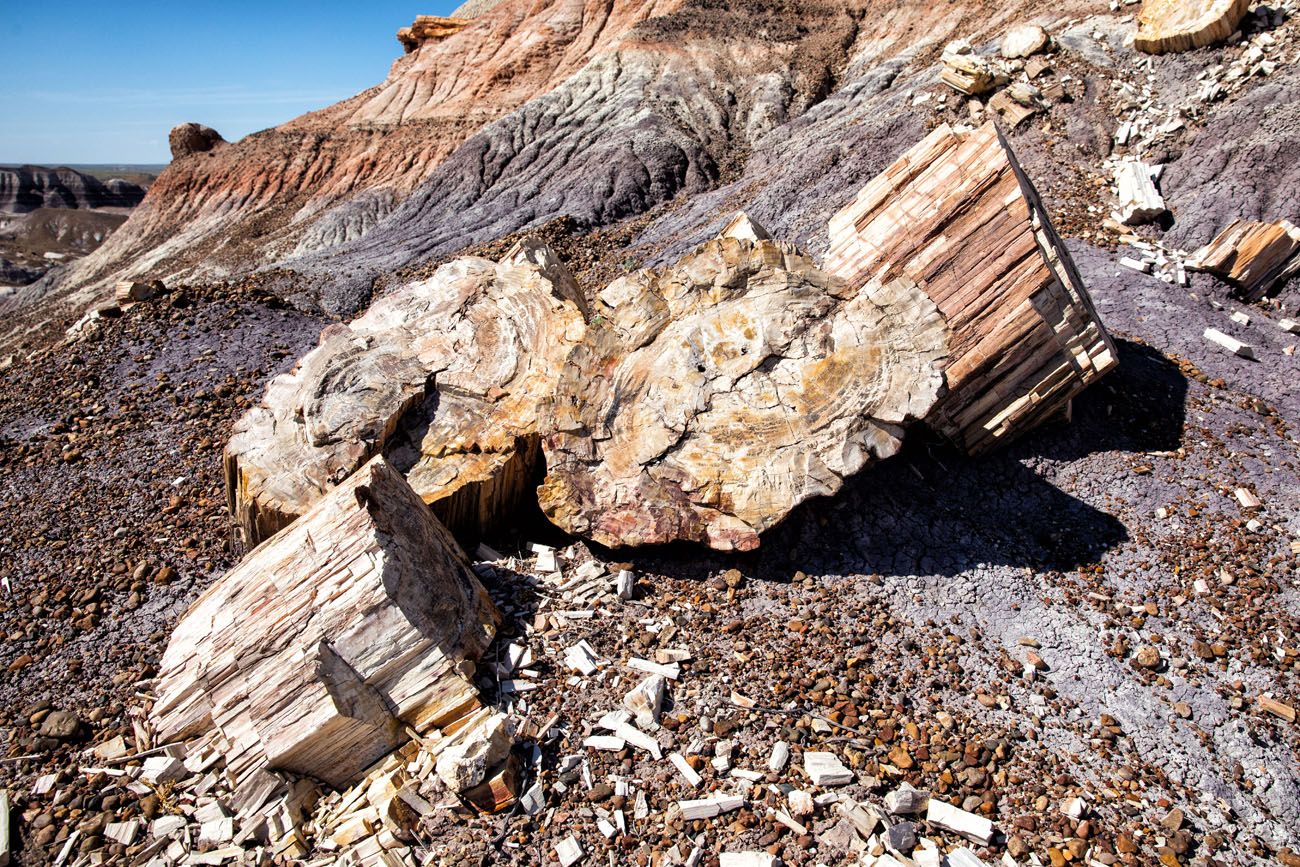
[684, 768]
[582, 658]
[546, 559]
[1247, 498]
[963, 857]
[1136, 264]
[780, 757]
[975, 828]
[1139, 200]
[1289, 325]
[801, 803]
[707, 808]
[906, 800]
[1074, 808]
[671, 671]
[163, 769]
[826, 769]
[746, 859]
[1023, 40]
[118, 832]
[1240, 318]
[568, 851]
[625, 584]
[606, 743]
[638, 738]
[646, 701]
[1230, 343]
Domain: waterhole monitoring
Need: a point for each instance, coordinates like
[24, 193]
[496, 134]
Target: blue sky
[103, 82]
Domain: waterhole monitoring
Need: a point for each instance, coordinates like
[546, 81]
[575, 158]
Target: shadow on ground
[930, 510]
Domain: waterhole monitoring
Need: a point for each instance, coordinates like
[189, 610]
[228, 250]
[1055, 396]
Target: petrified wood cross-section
[316, 652]
[442, 375]
[957, 215]
[710, 399]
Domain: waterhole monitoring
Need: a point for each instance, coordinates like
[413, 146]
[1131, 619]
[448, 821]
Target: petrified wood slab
[442, 375]
[1251, 255]
[711, 398]
[1180, 25]
[326, 642]
[957, 216]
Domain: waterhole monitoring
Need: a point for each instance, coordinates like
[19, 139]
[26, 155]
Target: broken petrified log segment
[1180, 25]
[325, 643]
[957, 216]
[1252, 256]
[711, 398]
[442, 375]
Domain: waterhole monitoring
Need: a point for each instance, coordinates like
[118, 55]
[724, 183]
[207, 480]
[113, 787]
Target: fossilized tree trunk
[326, 642]
[443, 376]
[703, 401]
[956, 215]
[710, 399]
[1181, 25]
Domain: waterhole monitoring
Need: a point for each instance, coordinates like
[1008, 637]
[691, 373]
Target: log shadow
[932, 511]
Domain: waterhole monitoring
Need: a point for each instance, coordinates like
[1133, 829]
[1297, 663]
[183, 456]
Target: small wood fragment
[1230, 343]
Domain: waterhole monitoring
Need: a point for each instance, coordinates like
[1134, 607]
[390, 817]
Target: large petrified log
[443, 375]
[703, 401]
[1180, 25]
[711, 398]
[319, 650]
[956, 215]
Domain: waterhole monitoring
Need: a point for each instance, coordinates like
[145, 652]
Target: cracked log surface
[711, 398]
[957, 215]
[283, 654]
[443, 375]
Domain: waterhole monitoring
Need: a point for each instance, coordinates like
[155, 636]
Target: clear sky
[103, 82]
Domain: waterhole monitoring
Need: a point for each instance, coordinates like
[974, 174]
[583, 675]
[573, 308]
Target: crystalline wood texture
[957, 216]
[442, 376]
[320, 648]
[1252, 256]
[1180, 25]
[711, 398]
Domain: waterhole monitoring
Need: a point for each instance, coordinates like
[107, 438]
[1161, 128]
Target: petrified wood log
[1181, 25]
[326, 642]
[1252, 256]
[442, 375]
[956, 215]
[711, 398]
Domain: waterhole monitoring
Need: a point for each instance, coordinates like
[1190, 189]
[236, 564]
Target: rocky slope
[1103, 611]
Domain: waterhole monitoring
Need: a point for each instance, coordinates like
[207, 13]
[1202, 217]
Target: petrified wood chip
[711, 398]
[957, 215]
[1251, 255]
[316, 652]
[1181, 25]
[442, 375]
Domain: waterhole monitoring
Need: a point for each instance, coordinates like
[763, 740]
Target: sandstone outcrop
[325, 645]
[428, 27]
[957, 215]
[191, 138]
[1165, 26]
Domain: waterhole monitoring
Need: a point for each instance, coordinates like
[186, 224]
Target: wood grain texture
[320, 648]
[442, 375]
[1251, 255]
[957, 216]
[711, 398]
[1165, 26]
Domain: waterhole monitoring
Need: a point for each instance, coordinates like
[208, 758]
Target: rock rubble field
[479, 511]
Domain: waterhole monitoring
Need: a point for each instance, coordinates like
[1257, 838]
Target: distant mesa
[24, 189]
[428, 27]
[193, 138]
